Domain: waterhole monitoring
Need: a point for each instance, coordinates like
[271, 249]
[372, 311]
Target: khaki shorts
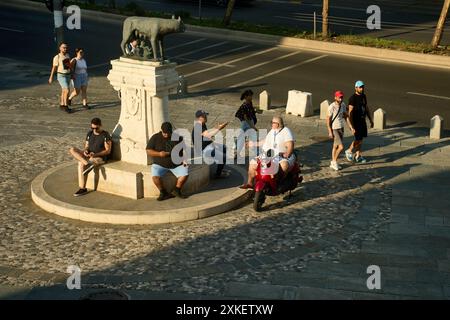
[338, 136]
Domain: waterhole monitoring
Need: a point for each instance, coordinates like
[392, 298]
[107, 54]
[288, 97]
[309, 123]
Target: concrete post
[436, 127]
[379, 119]
[264, 101]
[324, 109]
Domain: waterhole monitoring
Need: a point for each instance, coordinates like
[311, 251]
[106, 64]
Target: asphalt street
[412, 20]
[214, 66]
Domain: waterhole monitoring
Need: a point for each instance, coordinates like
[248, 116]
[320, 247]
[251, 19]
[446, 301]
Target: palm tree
[229, 12]
[325, 19]
[440, 25]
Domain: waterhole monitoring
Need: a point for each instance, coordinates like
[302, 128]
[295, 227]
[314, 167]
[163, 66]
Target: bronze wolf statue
[152, 28]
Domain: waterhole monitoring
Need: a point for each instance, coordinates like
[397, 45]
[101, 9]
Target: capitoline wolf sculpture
[152, 29]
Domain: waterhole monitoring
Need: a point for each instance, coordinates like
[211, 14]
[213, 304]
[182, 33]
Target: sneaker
[177, 193]
[68, 110]
[86, 106]
[348, 155]
[164, 195]
[89, 168]
[360, 160]
[69, 102]
[334, 166]
[80, 192]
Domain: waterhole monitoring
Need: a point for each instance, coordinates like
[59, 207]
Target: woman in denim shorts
[80, 77]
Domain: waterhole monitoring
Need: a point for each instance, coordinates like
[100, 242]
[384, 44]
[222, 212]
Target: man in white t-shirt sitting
[281, 140]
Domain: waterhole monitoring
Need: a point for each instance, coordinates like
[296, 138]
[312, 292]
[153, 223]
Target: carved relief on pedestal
[133, 104]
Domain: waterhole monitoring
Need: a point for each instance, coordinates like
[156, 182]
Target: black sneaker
[80, 192]
[67, 109]
[69, 102]
[86, 106]
[177, 193]
[89, 168]
[164, 195]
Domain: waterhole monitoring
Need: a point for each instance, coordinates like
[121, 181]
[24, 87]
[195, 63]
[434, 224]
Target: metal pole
[314, 25]
[200, 9]
[59, 22]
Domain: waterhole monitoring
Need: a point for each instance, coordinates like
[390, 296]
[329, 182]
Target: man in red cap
[337, 114]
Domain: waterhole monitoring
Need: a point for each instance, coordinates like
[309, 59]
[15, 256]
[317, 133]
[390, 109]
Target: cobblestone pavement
[392, 212]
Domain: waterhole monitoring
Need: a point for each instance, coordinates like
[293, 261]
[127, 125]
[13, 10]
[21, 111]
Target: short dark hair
[78, 50]
[96, 121]
[246, 93]
[166, 127]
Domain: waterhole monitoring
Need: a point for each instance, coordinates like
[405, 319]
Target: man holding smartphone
[97, 147]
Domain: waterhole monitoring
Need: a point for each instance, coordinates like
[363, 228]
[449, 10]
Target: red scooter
[267, 182]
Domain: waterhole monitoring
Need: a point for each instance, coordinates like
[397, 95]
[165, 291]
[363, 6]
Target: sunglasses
[95, 128]
[275, 122]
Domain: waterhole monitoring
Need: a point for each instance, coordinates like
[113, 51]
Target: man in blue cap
[358, 110]
[203, 143]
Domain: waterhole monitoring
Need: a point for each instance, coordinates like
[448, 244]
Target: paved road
[212, 66]
[406, 19]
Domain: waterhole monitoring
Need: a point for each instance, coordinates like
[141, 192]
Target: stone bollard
[324, 109]
[264, 101]
[379, 119]
[436, 127]
[182, 85]
[299, 103]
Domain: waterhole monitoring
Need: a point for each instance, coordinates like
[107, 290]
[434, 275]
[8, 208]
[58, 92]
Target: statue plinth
[144, 89]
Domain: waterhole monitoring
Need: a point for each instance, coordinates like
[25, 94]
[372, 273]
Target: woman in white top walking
[80, 77]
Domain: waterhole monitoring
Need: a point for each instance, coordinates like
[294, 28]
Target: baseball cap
[338, 94]
[359, 84]
[166, 127]
[201, 113]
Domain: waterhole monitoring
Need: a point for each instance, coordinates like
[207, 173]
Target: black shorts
[360, 132]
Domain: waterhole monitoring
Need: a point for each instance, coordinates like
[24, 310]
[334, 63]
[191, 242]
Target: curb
[387, 55]
[50, 204]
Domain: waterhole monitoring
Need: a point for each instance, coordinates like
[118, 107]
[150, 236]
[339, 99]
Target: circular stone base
[53, 191]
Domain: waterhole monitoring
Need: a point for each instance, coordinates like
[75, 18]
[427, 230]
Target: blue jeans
[159, 171]
[241, 139]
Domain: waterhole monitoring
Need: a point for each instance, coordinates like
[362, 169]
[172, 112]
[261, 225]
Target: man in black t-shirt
[97, 147]
[215, 152]
[358, 111]
[160, 147]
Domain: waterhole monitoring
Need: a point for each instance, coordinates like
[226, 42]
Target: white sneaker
[334, 165]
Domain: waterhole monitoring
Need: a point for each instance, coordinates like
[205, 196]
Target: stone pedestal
[144, 89]
[135, 181]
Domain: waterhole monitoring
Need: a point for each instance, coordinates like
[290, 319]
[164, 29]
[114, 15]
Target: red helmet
[338, 94]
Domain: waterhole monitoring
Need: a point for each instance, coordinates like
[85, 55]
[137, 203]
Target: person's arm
[350, 118]
[289, 149]
[211, 133]
[330, 130]
[103, 153]
[369, 116]
[52, 73]
[157, 154]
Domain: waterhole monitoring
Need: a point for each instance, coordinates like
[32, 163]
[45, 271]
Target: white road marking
[13, 30]
[278, 71]
[428, 95]
[243, 70]
[232, 61]
[185, 44]
[202, 60]
[200, 49]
